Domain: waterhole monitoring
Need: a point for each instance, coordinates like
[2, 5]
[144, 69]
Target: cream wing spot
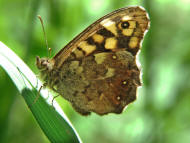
[110, 72]
[132, 24]
[98, 38]
[109, 25]
[133, 43]
[79, 70]
[114, 57]
[118, 98]
[124, 82]
[127, 32]
[126, 18]
[74, 65]
[78, 53]
[86, 47]
[111, 43]
[100, 57]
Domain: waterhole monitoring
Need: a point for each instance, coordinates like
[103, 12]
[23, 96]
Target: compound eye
[44, 63]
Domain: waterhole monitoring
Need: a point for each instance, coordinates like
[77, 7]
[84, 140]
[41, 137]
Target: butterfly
[97, 70]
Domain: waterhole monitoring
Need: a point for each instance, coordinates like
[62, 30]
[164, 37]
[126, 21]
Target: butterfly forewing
[109, 26]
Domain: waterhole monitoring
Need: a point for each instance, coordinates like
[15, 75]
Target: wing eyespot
[125, 25]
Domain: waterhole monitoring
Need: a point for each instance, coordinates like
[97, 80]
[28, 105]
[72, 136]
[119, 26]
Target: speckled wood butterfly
[97, 70]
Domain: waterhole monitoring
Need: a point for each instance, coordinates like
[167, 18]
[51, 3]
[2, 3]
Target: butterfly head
[44, 64]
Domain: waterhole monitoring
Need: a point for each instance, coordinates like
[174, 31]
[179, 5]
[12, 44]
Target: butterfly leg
[54, 96]
[38, 95]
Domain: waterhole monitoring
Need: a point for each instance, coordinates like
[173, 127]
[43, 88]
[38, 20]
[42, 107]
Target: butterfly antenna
[48, 49]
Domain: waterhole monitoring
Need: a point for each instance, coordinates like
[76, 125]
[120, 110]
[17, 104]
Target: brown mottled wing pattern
[97, 71]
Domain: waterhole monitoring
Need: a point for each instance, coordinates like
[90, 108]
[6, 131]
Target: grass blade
[52, 120]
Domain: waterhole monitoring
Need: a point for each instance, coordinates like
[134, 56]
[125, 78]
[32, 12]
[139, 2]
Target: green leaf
[51, 119]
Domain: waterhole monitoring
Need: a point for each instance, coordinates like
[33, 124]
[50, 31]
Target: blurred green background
[162, 111]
